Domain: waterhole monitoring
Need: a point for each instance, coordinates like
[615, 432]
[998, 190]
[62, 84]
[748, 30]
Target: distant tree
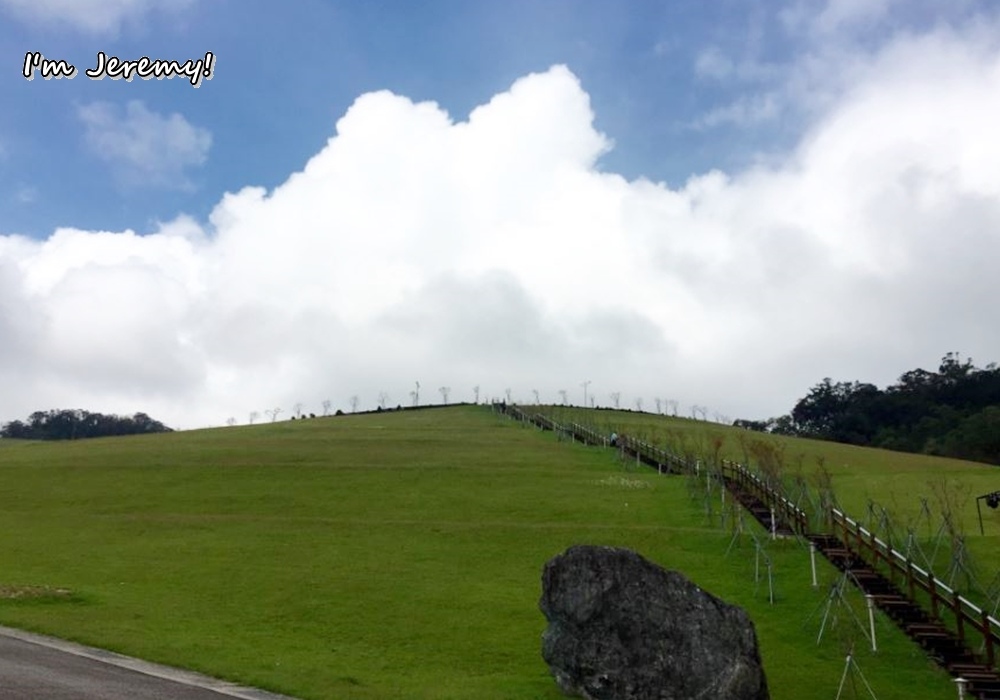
[943, 412]
[507, 393]
[638, 404]
[327, 405]
[298, 410]
[444, 393]
[475, 391]
[759, 426]
[659, 405]
[354, 400]
[616, 397]
[563, 394]
[416, 395]
[230, 421]
[74, 424]
[254, 415]
[383, 398]
[537, 400]
[273, 413]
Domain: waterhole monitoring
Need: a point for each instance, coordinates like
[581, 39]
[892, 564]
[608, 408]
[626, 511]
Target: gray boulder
[622, 628]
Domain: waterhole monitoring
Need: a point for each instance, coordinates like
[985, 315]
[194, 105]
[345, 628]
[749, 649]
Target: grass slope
[899, 482]
[381, 556]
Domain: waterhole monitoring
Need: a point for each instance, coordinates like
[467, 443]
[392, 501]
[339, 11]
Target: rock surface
[622, 628]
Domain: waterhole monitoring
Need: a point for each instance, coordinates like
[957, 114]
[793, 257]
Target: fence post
[871, 618]
[956, 601]
[988, 637]
[909, 580]
[812, 561]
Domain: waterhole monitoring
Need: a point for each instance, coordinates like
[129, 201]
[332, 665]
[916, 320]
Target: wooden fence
[970, 622]
[946, 604]
[785, 511]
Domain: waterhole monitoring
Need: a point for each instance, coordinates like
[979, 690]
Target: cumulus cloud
[494, 252]
[145, 148]
[89, 16]
[836, 16]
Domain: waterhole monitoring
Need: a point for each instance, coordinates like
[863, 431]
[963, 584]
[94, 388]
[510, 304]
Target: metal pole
[871, 618]
[812, 561]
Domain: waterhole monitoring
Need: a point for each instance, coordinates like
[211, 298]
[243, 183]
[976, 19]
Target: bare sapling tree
[770, 458]
[475, 391]
[699, 410]
[231, 421]
[507, 394]
[717, 443]
[823, 480]
[298, 409]
[354, 401]
[273, 413]
[585, 385]
[616, 397]
[327, 404]
[254, 415]
[383, 399]
[537, 400]
[563, 394]
[444, 393]
[673, 404]
[638, 404]
[415, 394]
[659, 405]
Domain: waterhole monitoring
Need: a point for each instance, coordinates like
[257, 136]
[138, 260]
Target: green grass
[898, 482]
[394, 555]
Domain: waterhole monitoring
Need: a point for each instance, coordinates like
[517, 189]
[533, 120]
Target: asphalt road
[34, 667]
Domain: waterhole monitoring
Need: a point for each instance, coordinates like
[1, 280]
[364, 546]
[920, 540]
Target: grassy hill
[394, 555]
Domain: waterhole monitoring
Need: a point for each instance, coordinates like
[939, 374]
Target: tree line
[953, 412]
[75, 424]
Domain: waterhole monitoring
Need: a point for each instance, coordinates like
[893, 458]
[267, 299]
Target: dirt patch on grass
[12, 592]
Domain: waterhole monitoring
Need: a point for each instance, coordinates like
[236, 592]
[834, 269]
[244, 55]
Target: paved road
[34, 667]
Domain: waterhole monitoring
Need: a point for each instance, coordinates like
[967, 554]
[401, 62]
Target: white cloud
[145, 148]
[745, 111]
[492, 252]
[26, 194]
[713, 63]
[90, 16]
[836, 16]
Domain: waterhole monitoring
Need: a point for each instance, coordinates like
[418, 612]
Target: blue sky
[288, 71]
[716, 204]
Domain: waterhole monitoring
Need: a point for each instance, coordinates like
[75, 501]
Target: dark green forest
[953, 412]
[75, 424]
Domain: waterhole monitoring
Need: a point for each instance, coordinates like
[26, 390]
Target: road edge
[178, 675]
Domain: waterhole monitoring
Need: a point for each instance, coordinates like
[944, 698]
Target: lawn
[393, 555]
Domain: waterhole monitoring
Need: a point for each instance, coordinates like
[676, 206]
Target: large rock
[622, 628]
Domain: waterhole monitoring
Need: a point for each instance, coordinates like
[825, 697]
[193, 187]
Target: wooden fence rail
[970, 622]
[968, 618]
